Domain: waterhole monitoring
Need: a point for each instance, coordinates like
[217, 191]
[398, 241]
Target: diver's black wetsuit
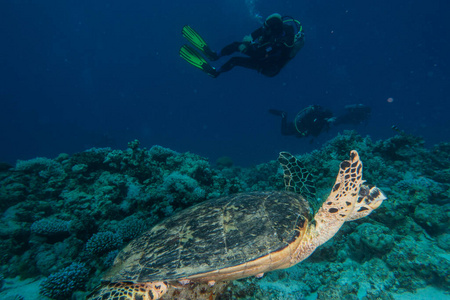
[310, 121]
[268, 53]
[314, 119]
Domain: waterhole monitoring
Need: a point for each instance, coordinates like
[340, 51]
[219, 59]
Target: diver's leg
[245, 62]
[230, 49]
[287, 128]
[284, 125]
[267, 69]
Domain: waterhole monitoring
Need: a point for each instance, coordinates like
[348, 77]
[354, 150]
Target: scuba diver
[314, 119]
[268, 49]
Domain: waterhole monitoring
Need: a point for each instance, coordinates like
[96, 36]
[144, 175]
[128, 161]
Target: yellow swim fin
[198, 42]
[194, 58]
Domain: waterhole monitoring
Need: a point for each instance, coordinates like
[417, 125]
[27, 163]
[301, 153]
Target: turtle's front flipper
[369, 198]
[298, 179]
[341, 202]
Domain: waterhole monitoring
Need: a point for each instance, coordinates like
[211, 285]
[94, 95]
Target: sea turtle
[192, 254]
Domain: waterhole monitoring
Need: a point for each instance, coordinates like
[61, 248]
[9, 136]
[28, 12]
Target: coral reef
[103, 242]
[79, 210]
[50, 227]
[61, 285]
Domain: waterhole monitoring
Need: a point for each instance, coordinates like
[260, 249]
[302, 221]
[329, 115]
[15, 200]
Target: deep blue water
[79, 74]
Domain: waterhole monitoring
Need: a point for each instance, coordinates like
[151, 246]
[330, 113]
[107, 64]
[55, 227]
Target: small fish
[395, 128]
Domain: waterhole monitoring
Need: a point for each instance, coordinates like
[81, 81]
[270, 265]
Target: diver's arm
[247, 39]
[250, 39]
[257, 33]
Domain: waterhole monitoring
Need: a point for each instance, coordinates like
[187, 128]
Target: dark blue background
[78, 74]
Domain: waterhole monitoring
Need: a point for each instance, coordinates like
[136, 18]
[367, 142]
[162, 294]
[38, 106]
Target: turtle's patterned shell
[213, 235]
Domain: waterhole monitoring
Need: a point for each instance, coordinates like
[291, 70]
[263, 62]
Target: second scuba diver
[268, 49]
[314, 119]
